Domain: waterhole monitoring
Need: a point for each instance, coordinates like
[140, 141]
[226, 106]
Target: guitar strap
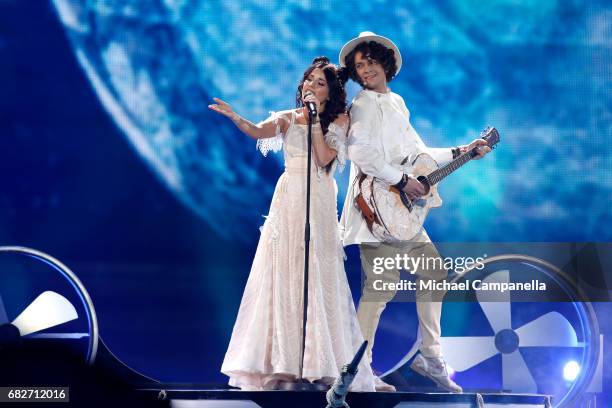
[366, 211]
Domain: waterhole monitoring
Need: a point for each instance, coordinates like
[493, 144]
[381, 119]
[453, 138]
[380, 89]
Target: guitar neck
[438, 175]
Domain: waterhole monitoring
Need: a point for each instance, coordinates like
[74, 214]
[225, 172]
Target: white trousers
[428, 302]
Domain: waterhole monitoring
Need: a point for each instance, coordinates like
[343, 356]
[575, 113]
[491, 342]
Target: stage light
[48, 310]
[553, 330]
[571, 371]
[44, 319]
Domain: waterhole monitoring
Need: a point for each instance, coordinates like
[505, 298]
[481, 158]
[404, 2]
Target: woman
[265, 345]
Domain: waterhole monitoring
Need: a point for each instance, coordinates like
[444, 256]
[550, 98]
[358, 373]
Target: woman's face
[316, 83]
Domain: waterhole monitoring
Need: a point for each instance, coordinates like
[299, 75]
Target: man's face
[370, 72]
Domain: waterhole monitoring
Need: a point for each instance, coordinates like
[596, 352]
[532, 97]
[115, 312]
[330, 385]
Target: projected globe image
[155, 66]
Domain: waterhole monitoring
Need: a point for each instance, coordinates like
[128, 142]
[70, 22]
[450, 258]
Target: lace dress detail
[274, 143]
[265, 343]
[336, 139]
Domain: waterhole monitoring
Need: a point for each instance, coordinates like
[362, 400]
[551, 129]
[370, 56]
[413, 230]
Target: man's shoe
[382, 386]
[435, 370]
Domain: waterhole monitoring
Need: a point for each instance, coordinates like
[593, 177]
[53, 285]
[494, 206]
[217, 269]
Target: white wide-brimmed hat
[370, 36]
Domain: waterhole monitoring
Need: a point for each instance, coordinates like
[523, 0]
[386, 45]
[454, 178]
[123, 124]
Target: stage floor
[185, 397]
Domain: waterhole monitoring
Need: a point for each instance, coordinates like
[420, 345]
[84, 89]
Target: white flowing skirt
[265, 343]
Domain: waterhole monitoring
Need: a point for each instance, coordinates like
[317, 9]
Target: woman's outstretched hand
[254, 131]
[223, 108]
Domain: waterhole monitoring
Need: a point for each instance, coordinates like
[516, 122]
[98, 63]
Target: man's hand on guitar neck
[481, 148]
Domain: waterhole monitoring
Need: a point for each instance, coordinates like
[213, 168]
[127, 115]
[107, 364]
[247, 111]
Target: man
[380, 137]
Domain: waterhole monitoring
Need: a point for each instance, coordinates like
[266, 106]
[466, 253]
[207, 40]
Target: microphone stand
[301, 384]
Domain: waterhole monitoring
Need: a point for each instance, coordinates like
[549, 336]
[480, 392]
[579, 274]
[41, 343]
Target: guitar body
[389, 213]
[400, 218]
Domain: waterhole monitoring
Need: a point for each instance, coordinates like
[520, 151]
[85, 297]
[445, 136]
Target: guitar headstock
[491, 135]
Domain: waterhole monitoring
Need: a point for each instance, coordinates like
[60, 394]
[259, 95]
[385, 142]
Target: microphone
[337, 393]
[312, 108]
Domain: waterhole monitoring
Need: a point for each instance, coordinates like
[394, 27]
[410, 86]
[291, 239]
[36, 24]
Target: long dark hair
[336, 78]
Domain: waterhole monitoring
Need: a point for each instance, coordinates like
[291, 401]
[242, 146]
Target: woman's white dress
[265, 343]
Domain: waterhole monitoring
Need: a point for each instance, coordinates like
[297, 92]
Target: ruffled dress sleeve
[274, 143]
[336, 139]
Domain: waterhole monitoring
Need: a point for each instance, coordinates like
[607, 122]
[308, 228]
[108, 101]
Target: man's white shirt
[379, 138]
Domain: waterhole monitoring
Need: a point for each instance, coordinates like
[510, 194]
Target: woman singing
[265, 344]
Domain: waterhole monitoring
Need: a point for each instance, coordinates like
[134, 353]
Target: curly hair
[376, 51]
[336, 78]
